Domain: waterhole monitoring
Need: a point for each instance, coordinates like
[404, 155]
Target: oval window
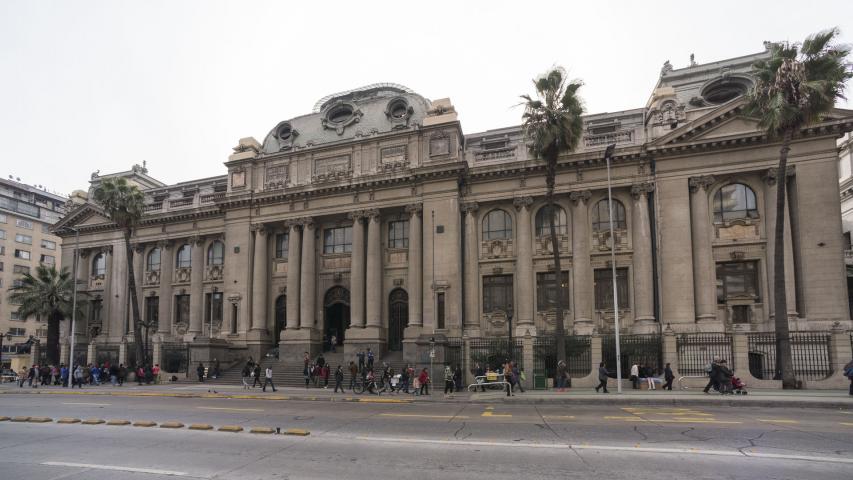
[284, 131]
[340, 114]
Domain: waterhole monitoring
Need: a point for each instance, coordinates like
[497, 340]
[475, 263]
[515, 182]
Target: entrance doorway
[398, 303]
[336, 316]
[280, 317]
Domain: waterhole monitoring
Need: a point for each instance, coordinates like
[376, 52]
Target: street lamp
[509, 323]
[1, 349]
[608, 153]
[73, 303]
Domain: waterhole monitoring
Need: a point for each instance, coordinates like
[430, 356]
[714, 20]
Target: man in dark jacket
[724, 378]
[602, 378]
[712, 371]
[257, 376]
[669, 377]
[339, 379]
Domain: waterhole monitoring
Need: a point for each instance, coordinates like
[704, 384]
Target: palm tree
[47, 294]
[796, 86]
[552, 126]
[123, 204]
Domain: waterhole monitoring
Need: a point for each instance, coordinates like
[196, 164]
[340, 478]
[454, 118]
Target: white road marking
[117, 468]
[233, 409]
[683, 451]
[87, 403]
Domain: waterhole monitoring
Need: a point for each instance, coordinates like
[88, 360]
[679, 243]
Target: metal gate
[578, 358]
[175, 357]
[493, 352]
[696, 350]
[106, 353]
[809, 353]
[132, 361]
[398, 302]
[643, 350]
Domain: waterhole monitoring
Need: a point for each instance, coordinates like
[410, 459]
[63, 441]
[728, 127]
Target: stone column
[107, 310]
[294, 260]
[167, 268]
[373, 301]
[196, 286]
[122, 352]
[642, 240]
[259, 279]
[415, 278]
[91, 351]
[307, 281]
[527, 354]
[704, 270]
[581, 265]
[524, 264]
[357, 271]
[770, 178]
[472, 267]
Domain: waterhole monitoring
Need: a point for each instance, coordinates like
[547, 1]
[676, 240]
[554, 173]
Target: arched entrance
[280, 317]
[398, 303]
[336, 315]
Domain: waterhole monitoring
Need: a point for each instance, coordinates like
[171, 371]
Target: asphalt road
[435, 440]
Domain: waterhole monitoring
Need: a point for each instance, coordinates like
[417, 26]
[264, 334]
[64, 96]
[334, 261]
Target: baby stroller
[738, 386]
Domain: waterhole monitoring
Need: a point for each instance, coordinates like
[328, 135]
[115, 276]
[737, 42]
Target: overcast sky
[88, 85]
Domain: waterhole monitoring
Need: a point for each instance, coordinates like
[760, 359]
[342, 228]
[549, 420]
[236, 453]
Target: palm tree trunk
[134, 303]
[784, 361]
[53, 339]
[560, 334]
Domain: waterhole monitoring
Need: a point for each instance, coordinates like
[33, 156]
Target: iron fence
[493, 352]
[106, 353]
[175, 357]
[454, 353]
[131, 354]
[578, 356]
[696, 350]
[809, 354]
[644, 350]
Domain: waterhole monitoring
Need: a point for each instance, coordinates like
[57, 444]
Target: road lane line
[117, 468]
[847, 424]
[87, 403]
[233, 409]
[417, 415]
[776, 420]
[560, 417]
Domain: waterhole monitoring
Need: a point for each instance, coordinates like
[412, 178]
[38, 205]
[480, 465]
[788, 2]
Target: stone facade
[375, 220]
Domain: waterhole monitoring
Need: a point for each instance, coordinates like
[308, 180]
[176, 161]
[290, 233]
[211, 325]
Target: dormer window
[602, 129]
[494, 144]
[340, 114]
[285, 131]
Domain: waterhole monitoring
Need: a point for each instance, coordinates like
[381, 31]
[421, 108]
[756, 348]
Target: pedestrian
[215, 368]
[245, 375]
[257, 374]
[507, 372]
[650, 377]
[325, 375]
[635, 376]
[78, 376]
[423, 379]
[114, 375]
[360, 356]
[54, 375]
[353, 374]
[517, 377]
[334, 342]
[306, 373]
[479, 373]
[199, 371]
[156, 372]
[140, 374]
[321, 361]
[63, 374]
[457, 378]
[668, 376]
[561, 376]
[370, 359]
[711, 371]
[339, 379]
[602, 378]
[122, 374]
[848, 372]
[268, 379]
[724, 378]
[448, 380]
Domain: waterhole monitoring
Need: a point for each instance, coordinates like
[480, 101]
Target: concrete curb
[231, 428]
[20, 419]
[118, 423]
[40, 420]
[68, 420]
[670, 402]
[296, 432]
[4, 419]
[92, 421]
[264, 430]
[144, 423]
[200, 426]
[171, 425]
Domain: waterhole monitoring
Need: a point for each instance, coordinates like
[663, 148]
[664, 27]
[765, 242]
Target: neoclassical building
[375, 221]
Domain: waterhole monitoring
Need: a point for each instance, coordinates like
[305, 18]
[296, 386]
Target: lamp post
[509, 322]
[607, 154]
[1, 349]
[431, 357]
[73, 305]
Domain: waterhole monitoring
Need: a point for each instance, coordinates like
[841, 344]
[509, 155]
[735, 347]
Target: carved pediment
[94, 219]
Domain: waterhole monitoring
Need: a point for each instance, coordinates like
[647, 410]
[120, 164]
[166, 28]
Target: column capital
[164, 244]
[580, 196]
[292, 222]
[138, 247]
[470, 207]
[415, 208]
[259, 228]
[522, 202]
[372, 214]
[703, 182]
[84, 253]
[108, 249]
[642, 189]
[772, 174]
[356, 215]
[196, 240]
[307, 222]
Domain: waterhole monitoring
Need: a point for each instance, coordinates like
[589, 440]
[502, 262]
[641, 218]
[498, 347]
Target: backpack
[849, 372]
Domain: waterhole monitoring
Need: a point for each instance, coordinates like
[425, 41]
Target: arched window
[99, 265]
[497, 226]
[216, 253]
[601, 216]
[152, 262]
[561, 224]
[734, 201]
[184, 257]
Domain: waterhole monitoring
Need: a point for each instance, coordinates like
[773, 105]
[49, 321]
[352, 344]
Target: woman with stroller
[724, 378]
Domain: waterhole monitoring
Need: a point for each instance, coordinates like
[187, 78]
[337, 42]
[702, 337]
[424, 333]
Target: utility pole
[73, 305]
[607, 154]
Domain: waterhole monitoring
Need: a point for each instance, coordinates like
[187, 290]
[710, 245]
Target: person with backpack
[712, 369]
[246, 374]
[257, 374]
[848, 372]
[669, 377]
[339, 379]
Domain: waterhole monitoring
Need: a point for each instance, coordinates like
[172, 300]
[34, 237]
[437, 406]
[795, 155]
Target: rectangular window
[48, 260]
[213, 308]
[546, 295]
[182, 309]
[25, 239]
[604, 288]
[45, 228]
[282, 244]
[20, 269]
[497, 293]
[3, 218]
[17, 283]
[48, 244]
[337, 240]
[439, 309]
[17, 332]
[2, 234]
[152, 312]
[22, 254]
[2, 250]
[14, 315]
[21, 223]
[737, 280]
[1, 266]
[398, 234]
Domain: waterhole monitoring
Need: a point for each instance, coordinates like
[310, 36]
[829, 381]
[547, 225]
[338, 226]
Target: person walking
[405, 379]
[78, 376]
[711, 370]
[848, 372]
[360, 357]
[448, 380]
[268, 379]
[370, 359]
[113, 375]
[423, 378]
[122, 374]
[635, 376]
[602, 378]
[457, 378]
[339, 379]
[325, 375]
[353, 374]
[257, 374]
[306, 374]
[63, 374]
[724, 378]
[561, 376]
[516, 377]
[246, 374]
[334, 342]
[156, 372]
[649, 373]
[199, 371]
[668, 376]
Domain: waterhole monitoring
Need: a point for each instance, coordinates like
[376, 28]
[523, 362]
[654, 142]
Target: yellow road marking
[846, 424]
[232, 409]
[776, 420]
[87, 403]
[490, 414]
[416, 415]
[568, 417]
[664, 420]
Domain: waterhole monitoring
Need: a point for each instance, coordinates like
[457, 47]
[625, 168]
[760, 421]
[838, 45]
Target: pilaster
[167, 267]
[704, 271]
[472, 269]
[524, 263]
[294, 261]
[357, 271]
[373, 307]
[259, 278]
[581, 265]
[642, 244]
[308, 280]
[415, 273]
[196, 286]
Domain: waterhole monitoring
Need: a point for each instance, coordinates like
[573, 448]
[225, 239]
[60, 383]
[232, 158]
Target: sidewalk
[837, 399]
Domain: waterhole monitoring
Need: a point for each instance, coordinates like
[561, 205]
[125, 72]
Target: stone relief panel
[332, 168]
[496, 249]
[397, 257]
[740, 229]
[276, 176]
[547, 321]
[439, 144]
[279, 267]
[151, 278]
[394, 158]
[544, 246]
[214, 273]
[601, 240]
[336, 262]
[182, 275]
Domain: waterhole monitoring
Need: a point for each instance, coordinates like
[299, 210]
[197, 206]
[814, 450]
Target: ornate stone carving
[259, 228]
[164, 244]
[372, 214]
[215, 273]
[138, 248]
[470, 207]
[642, 189]
[276, 176]
[415, 209]
[183, 274]
[580, 196]
[772, 174]
[84, 253]
[702, 182]
[356, 215]
[522, 202]
[151, 277]
[293, 222]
